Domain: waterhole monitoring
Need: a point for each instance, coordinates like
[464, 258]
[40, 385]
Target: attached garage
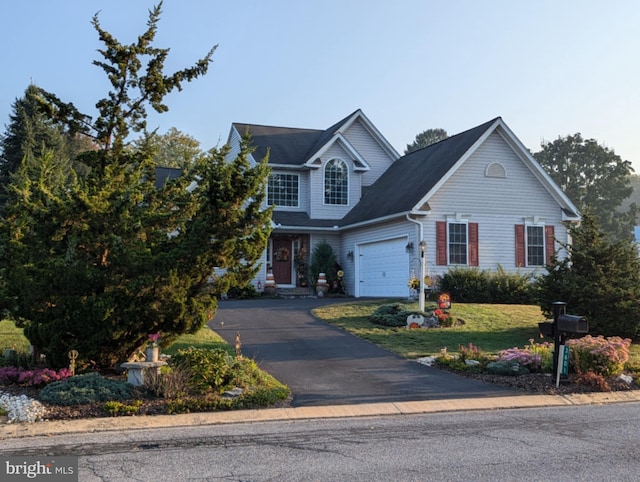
[383, 268]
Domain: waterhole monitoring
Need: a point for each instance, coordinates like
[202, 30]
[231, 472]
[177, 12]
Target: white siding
[366, 145]
[352, 241]
[319, 210]
[496, 204]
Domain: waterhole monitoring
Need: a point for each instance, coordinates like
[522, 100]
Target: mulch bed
[535, 383]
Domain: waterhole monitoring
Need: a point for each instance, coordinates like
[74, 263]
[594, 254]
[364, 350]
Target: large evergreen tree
[594, 178]
[426, 138]
[98, 262]
[29, 134]
[600, 279]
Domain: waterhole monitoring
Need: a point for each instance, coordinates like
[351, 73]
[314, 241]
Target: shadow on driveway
[324, 365]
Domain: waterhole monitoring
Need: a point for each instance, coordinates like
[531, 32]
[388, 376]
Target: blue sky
[549, 68]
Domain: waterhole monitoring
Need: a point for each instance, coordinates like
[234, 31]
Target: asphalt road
[324, 365]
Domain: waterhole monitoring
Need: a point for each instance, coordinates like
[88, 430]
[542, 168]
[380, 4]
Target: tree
[599, 279]
[426, 138]
[29, 134]
[594, 178]
[97, 263]
[172, 149]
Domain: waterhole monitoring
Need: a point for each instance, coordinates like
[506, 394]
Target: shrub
[323, 260]
[88, 388]
[470, 352]
[394, 315]
[593, 380]
[535, 356]
[599, 279]
[209, 369]
[171, 382]
[603, 356]
[245, 293]
[506, 367]
[466, 285]
[471, 285]
[114, 408]
[35, 377]
[510, 288]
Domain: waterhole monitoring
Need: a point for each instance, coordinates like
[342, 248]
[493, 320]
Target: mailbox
[547, 328]
[572, 324]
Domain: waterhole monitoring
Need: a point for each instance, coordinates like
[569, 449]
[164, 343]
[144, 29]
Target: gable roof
[287, 145]
[301, 147]
[407, 180]
[408, 184]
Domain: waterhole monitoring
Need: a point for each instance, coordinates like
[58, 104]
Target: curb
[59, 427]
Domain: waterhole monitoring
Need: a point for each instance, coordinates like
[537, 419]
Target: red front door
[282, 261]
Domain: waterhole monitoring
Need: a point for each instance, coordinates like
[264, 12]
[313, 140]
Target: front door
[282, 261]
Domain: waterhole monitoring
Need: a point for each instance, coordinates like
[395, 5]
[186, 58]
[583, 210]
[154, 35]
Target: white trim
[534, 223]
[278, 173]
[458, 219]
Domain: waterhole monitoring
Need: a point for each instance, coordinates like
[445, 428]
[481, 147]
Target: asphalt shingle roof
[409, 178]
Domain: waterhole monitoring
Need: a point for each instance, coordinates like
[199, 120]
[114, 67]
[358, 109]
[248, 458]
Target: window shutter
[549, 242]
[520, 246]
[473, 244]
[441, 243]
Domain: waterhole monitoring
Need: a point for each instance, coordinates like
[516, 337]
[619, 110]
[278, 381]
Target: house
[477, 198]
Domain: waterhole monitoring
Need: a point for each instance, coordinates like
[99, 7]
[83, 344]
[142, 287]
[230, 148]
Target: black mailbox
[547, 328]
[572, 324]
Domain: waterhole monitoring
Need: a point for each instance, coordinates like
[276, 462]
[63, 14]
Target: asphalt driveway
[324, 365]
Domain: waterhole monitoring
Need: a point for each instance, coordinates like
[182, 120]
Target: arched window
[336, 183]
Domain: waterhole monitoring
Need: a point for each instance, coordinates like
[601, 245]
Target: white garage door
[384, 268]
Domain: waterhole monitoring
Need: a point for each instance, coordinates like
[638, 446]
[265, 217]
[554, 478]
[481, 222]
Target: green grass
[13, 337]
[490, 327]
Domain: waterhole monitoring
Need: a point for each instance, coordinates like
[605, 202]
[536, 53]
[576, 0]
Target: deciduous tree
[426, 138]
[594, 178]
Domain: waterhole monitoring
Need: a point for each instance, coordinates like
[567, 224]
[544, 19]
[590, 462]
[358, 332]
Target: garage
[383, 268]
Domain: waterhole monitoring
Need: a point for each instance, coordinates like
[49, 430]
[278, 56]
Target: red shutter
[520, 246]
[441, 243]
[473, 244]
[549, 242]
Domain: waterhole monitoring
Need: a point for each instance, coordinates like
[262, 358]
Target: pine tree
[29, 134]
[599, 279]
[98, 262]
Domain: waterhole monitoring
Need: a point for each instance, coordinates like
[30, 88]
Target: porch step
[296, 292]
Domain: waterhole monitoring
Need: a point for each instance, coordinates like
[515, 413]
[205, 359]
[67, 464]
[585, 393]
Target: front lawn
[490, 327]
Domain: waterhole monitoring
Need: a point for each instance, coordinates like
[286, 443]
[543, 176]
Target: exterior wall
[370, 150]
[353, 238]
[496, 204]
[318, 209]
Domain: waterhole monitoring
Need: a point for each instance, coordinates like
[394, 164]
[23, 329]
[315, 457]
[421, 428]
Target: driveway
[324, 365]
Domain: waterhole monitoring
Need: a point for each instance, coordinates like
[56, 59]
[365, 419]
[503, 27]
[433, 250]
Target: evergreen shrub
[88, 388]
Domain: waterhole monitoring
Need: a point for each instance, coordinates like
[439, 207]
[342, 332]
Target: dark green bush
[466, 285]
[323, 260]
[511, 288]
[471, 285]
[394, 315]
[600, 279]
[88, 388]
[245, 293]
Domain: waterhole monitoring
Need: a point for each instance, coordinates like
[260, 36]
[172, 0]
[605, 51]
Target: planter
[322, 288]
[152, 353]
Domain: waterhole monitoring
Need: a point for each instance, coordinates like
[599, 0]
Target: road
[586, 443]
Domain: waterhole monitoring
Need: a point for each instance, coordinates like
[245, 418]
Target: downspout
[421, 296]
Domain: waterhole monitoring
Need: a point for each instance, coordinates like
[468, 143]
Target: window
[535, 246]
[336, 183]
[282, 190]
[457, 243]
